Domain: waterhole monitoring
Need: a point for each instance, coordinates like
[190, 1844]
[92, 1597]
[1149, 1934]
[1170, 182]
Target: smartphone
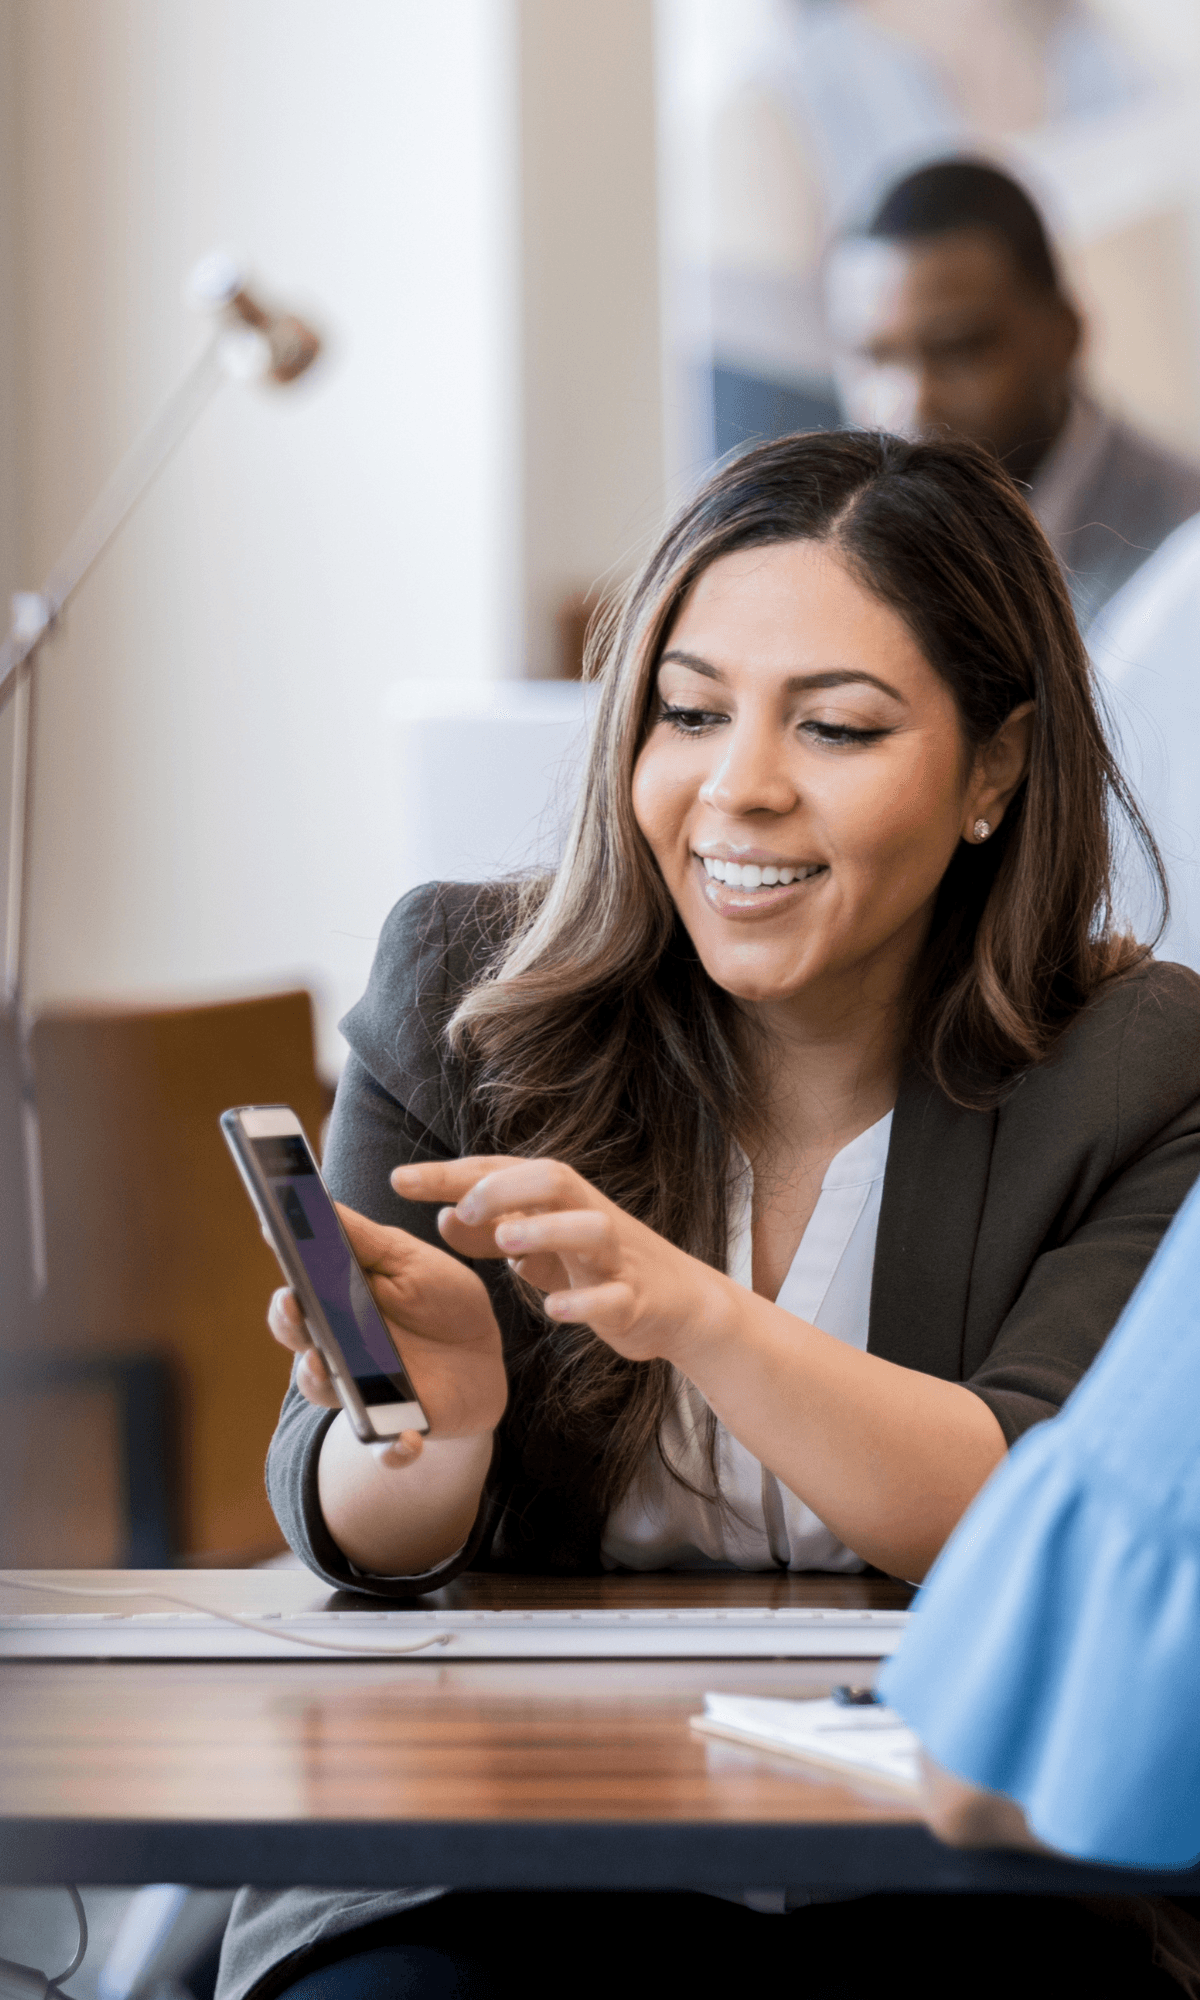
[301, 1224]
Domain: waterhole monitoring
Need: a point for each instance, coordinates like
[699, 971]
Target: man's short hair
[968, 194]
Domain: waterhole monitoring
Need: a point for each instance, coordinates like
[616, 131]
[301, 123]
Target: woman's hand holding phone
[440, 1317]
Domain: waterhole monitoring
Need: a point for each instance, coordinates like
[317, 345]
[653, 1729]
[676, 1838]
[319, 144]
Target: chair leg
[149, 1427]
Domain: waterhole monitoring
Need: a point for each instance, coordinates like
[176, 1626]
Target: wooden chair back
[153, 1249]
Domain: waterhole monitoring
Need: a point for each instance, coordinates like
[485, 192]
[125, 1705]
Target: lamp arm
[252, 343]
[35, 611]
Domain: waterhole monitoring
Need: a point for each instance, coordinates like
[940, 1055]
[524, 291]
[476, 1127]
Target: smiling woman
[811, 1124]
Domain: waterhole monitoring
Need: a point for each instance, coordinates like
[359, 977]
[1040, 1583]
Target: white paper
[871, 1742]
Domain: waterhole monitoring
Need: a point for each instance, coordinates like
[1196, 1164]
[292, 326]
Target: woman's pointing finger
[587, 1231]
[445, 1180]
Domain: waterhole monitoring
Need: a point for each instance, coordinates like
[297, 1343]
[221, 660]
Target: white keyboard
[788, 1633]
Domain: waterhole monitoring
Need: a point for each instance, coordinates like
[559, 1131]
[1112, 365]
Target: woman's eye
[843, 732]
[689, 721]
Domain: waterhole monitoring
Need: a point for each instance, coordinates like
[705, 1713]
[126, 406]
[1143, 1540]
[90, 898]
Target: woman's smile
[756, 884]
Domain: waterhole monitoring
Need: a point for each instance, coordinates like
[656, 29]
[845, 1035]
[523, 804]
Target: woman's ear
[999, 768]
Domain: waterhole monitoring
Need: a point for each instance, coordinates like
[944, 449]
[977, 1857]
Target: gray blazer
[1107, 497]
[1008, 1242]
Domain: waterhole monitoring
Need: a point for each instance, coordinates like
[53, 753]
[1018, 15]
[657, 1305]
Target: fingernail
[468, 1209]
[511, 1236]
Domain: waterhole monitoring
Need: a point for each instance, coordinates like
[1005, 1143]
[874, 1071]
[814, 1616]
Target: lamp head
[259, 343]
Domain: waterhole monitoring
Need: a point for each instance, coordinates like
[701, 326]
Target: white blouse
[659, 1524]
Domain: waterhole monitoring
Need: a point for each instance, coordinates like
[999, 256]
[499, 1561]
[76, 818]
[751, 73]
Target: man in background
[948, 313]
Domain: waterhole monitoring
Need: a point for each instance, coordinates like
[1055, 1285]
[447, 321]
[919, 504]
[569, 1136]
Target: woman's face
[804, 783]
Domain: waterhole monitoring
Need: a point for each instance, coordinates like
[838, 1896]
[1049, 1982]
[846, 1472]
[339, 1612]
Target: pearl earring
[981, 829]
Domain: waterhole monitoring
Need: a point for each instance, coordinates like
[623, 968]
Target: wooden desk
[483, 1774]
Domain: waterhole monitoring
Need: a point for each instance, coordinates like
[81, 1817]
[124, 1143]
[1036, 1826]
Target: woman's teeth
[748, 874]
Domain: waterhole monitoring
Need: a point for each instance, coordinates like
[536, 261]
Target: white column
[592, 367]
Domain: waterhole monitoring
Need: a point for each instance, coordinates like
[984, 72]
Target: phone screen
[335, 1277]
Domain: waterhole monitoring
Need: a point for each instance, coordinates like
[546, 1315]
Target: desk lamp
[249, 343]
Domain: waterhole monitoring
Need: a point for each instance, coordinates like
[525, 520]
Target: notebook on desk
[42, 1619]
[853, 1742]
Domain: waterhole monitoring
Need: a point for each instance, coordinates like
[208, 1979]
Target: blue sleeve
[1054, 1654]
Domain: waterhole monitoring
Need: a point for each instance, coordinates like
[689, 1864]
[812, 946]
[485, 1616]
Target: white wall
[464, 191]
[10, 566]
[213, 796]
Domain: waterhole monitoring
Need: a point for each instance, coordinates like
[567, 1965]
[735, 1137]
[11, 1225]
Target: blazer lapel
[933, 1195]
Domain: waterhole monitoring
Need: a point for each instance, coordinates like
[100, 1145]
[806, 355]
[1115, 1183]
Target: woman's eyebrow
[829, 677]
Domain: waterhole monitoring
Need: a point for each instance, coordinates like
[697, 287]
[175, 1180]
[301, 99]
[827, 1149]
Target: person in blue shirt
[1052, 1666]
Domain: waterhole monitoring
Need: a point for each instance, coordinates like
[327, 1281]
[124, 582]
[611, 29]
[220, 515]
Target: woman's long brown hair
[598, 1038]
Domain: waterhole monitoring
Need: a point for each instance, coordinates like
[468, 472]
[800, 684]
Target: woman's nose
[750, 775]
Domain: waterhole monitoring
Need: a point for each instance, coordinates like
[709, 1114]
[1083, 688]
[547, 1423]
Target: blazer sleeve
[421, 964]
[1132, 1089]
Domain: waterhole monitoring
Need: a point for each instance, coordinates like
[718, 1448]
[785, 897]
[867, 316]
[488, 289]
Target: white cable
[26, 1982]
[272, 1631]
[57, 1979]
